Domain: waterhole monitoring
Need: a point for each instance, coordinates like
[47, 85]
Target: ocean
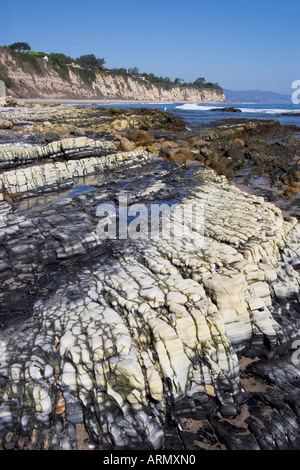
[205, 115]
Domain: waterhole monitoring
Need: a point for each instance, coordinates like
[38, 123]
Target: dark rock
[234, 437]
[207, 152]
[51, 136]
[260, 433]
[78, 133]
[71, 431]
[206, 436]
[165, 153]
[56, 234]
[9, 445]
[58, 425]
[229, 109]
[172, 439]
[74, 412]
[166, 144]
[54, 443]
[235, 153]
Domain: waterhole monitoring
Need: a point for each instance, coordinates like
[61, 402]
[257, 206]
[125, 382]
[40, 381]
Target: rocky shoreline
[147, 343]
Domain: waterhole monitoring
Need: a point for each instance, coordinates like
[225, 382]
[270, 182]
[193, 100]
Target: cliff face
[36, 78]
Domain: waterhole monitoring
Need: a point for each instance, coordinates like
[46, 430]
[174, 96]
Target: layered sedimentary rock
[128, 335]
[69, 160]
[184, 341]
[66, 149]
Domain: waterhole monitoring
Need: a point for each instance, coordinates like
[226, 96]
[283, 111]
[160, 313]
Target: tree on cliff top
[20, 47]
[60, 59]
[89, 60]
[199, 82]
[134, 72]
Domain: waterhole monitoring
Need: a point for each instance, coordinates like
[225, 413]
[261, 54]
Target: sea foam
[268, 110]
[197, 107]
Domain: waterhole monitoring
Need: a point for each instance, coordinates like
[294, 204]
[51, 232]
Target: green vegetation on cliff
[87, 66]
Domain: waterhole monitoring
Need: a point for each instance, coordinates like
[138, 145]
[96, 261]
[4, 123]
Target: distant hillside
[255, 96]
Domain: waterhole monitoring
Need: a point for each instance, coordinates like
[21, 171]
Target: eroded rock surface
[184, 341]
[140, 338]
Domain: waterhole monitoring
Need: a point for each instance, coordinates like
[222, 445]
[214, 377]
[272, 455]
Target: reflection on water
[79, 190]
[261, 180]
[78, 187]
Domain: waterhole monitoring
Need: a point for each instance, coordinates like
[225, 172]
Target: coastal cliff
[28, 77]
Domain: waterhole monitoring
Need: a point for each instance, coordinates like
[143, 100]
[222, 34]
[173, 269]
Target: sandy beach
[69, 101]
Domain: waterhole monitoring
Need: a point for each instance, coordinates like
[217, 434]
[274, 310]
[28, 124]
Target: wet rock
[139, 339]
[65, 149]
[49, 175]
[234, 437]
[235, 153]
[71, 431]
[165, 153]
[135, 328]
[229, 109]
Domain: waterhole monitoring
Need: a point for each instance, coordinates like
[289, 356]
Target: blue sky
[241, 45]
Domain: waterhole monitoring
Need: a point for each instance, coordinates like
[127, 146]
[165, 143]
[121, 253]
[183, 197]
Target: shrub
[87, 75]
[34, 62]
[36, 54]
[59, 59]
[62, 70]
[6, 79]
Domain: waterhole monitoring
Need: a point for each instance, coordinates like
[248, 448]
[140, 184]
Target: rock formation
[2, 89]
[133, 337]
[123, 331]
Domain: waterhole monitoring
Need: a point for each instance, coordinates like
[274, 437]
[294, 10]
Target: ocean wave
[197, 107]
[269, 111]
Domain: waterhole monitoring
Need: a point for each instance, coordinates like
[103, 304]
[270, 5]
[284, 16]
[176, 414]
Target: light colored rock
[33, 178]
[79, 147]
[42, 401]
[147, 319]
[120, 125]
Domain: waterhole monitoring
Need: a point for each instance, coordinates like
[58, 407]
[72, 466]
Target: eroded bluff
[129, 336]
